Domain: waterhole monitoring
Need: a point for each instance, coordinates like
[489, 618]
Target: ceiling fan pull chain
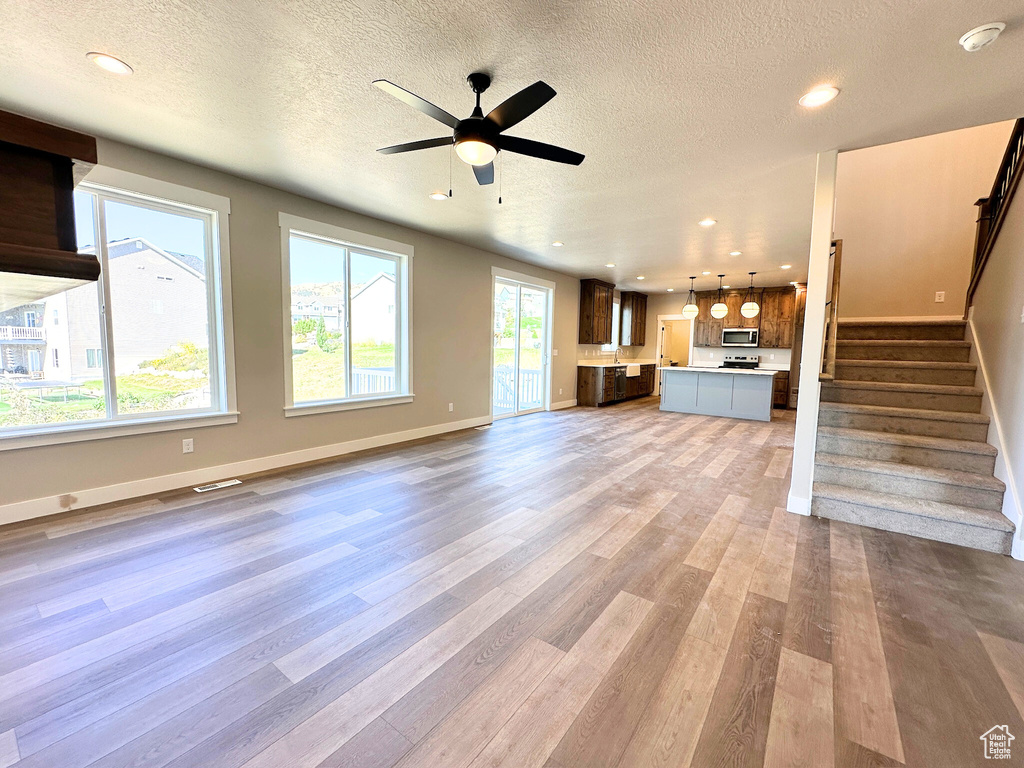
[501, 176]
[450, 150]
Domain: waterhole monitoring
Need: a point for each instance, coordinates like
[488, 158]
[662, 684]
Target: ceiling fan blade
[539, 149]
[412, 146]
[484, 173]
[519, 107]
[416, 102]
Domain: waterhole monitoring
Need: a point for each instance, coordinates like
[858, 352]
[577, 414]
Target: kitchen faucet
[617, 350]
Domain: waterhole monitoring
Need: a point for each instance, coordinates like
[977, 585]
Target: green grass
[529, 359]
[319, 375]
[4, 407]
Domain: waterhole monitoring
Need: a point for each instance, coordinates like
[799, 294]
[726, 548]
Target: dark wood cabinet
[595, 385]
[595, 311]
[780, 394]
[632, 319]
[776, 320]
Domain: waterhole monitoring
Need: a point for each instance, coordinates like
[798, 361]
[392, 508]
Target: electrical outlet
[711, 355]
[451, 407]
[1022, 315]
[940, 297]
[771, 357]
[554, 352]
[187, 446]
[559, 390]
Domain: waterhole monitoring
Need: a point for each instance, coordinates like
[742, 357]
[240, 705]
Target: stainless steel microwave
[739, 337]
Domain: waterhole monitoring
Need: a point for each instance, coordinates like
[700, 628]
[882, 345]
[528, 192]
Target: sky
[311, 262]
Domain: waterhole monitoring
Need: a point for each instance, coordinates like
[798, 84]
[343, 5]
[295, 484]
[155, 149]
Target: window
[30, 319]
[348, 318]
[133, 350]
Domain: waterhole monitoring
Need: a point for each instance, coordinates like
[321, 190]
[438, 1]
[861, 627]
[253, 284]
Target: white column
[814, 333]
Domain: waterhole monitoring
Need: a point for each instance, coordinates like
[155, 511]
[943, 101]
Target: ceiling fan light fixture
[475, 152]
[438, 195]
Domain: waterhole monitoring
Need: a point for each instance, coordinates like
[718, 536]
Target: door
[520, 353]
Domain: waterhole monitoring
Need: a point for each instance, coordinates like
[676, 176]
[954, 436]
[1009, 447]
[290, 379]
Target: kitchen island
[734, 392]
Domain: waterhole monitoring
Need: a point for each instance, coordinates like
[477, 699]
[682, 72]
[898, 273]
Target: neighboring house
[22, 339]
[373, 311]
[330, 308]
[160, 299]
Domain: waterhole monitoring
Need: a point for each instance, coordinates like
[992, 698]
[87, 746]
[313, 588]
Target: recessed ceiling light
[640, 277]
[609, 265]
[558, 243]
[670, 290]
[981, 36]
[109, 63]
[821, 94]
[705, 272]
[708, 222]
[438, 196]
[786, 266]
[725, 286]
[735, 253]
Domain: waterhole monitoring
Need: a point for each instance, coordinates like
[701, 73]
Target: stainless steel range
[741, 361]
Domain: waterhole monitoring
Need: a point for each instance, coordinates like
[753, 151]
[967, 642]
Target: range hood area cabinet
[776, 320]
[632, 319]
[596, 311]
[39, 255]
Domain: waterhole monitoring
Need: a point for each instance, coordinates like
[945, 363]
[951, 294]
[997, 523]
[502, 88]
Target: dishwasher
[620, 383]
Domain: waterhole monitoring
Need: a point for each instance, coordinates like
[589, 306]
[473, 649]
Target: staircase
[901, 440]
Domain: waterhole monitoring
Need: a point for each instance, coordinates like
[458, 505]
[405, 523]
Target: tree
[322, 340]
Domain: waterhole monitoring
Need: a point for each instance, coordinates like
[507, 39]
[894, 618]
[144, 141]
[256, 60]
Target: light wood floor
[591, 588]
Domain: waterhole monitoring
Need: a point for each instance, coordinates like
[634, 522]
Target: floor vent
[216, 486]
[485, 426]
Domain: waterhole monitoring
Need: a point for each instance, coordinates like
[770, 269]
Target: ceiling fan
[478, 138]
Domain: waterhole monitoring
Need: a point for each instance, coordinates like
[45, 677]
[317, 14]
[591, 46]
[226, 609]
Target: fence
[369, 381]
[531, 389]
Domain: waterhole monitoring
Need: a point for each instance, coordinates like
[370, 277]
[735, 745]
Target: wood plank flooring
[592, 588]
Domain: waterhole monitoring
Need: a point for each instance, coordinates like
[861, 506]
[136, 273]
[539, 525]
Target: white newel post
[814, 333]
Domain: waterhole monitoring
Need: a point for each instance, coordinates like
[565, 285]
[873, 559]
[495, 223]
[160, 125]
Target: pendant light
[750, 307]
[718, 309]
[690, 309]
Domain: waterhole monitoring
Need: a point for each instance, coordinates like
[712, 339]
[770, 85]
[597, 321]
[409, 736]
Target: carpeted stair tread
[911, 441]
[899, 386]
[934, 510]
[907, 413]
[913, 471]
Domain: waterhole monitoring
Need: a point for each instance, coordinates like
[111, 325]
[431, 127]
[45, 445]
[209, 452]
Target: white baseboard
[909, 319]
[563, 404]
[1012, 506]
[798, 505]
[90, 497]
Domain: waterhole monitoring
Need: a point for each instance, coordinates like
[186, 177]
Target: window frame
[123, 186]
[372, 245]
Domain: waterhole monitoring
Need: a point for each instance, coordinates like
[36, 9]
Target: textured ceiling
[684, 109]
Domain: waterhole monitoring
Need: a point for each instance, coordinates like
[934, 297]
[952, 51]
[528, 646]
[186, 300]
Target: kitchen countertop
[611, 364]
[709, 369]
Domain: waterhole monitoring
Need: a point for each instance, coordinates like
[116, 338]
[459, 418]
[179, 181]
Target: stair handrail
[992, 209]
[828, 361]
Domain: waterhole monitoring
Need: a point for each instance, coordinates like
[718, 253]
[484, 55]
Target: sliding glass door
[520, 355]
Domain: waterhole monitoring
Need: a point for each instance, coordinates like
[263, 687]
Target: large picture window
[143, 344]
[347, 318]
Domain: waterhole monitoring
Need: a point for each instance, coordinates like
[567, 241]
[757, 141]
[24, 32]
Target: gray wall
[996, 318]
[451, 294]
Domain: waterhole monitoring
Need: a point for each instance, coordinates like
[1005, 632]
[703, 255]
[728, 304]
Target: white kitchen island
[738, 393]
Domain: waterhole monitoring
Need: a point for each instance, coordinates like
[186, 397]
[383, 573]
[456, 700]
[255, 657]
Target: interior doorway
[674, 345]
[521, 348]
